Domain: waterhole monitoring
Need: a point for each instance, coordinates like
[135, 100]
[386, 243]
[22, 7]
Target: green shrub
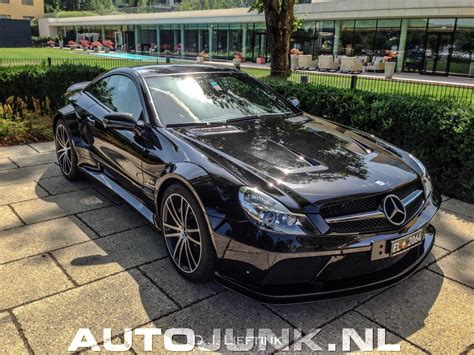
[43, 82]
[440, 133]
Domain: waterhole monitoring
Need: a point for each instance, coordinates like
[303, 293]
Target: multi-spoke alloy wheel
[182, 234]
[63, 149]
[67, 158]
[187, 234]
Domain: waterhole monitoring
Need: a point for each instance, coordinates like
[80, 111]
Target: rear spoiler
[76, 87]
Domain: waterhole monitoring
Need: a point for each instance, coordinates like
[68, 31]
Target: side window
[118, 93]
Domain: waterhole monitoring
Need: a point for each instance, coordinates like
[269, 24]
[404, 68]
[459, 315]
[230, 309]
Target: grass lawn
[37, 53]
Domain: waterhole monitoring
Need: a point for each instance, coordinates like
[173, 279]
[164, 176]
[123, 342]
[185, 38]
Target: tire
[65, 152]
[186, 234]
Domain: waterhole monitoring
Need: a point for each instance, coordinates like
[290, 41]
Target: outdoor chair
[351, 65]
[378, 64]
[327, 63]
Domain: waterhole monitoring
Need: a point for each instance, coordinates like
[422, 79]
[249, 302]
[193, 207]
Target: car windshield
[212, 98]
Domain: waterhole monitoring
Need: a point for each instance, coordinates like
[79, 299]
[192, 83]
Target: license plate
[405, 243]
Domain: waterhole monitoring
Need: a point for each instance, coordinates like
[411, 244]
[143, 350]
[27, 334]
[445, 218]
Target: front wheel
[186, 234]
[67, 157]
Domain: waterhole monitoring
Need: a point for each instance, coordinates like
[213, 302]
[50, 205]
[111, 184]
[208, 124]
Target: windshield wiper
[187, 124]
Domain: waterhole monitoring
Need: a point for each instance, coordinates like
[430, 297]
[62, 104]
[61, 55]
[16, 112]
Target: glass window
[415, 43]
[388, 36]
[5, 2]
[347, 34]
[325, 39]
[462, 60]
[27, 2]
[4, 16]
[184, 99]
[364, 37]
[119, 94]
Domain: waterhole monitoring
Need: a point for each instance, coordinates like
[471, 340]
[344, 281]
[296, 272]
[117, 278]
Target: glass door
[259, 45]
[438, 53]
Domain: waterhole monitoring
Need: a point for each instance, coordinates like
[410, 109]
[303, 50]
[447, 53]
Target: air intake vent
[206, 131]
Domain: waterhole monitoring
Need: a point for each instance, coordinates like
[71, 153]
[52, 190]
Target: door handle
[90, 120]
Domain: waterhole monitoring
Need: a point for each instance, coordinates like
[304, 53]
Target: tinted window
[118, 93]
[198, 98]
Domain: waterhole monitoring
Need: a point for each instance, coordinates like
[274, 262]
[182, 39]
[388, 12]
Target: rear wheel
[186, 234]
[67, 157]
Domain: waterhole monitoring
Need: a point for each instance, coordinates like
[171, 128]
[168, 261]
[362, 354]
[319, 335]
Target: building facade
[21, 9]
[431, 36]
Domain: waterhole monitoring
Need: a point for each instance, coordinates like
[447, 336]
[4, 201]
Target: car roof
[170, 69]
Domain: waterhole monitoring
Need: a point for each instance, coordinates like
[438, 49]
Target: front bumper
[307, 274]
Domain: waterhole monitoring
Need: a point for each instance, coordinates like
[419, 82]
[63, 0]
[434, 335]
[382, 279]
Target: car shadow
[207, 307]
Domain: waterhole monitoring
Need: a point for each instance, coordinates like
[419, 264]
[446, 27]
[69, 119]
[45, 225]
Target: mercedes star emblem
[394, 210]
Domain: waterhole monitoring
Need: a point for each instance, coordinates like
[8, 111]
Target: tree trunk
[279, 21]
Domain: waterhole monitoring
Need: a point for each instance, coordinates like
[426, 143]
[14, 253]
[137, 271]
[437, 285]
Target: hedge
[440, 133]
[43, 81]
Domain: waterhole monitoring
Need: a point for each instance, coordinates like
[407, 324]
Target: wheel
[67, 157]
[186, 234]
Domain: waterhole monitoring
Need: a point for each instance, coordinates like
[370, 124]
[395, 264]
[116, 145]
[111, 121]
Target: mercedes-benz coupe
[243, 185]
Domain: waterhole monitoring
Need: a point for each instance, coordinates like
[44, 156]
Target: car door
[118, 151]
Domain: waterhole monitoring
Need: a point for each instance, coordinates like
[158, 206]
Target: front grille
[368, 204]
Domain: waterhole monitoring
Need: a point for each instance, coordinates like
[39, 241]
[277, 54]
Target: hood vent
[212, 130]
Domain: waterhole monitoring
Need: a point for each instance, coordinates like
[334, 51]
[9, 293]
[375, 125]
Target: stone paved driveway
[73, 256]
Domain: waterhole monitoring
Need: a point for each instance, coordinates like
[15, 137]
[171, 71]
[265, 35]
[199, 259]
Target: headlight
[425, 177]
[269, 214]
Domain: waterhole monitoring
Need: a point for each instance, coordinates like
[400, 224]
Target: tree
[280, 21]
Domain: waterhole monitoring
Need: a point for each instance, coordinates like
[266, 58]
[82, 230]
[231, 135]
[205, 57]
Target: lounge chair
[378, 64]
[326, 63]
[351, 65]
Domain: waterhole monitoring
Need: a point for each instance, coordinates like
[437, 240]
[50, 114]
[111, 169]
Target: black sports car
[243, 185]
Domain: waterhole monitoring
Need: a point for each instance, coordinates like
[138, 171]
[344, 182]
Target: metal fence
[432, 89]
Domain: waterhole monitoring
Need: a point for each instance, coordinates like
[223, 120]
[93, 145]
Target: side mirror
[294, 101]
[119, 120]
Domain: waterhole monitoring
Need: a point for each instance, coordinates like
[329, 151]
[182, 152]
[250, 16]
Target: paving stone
[43, 147]
[332, 334]
[21, 192]
[10, 340]
[435, 254]
[459, 265]
[444, 198]
[41, 237]
[459, 207]
[30, 279]
[60, 205]
[16, 150]
[313, 315]
[452, 230]
[428, 310]
[20, 175]
[8, 219]
[126, 300]
[113, 219]
[6, 164]
[102, 257]
[59, 185]
[35, 159]
[180, 290]
[112, 196]
[225, 310]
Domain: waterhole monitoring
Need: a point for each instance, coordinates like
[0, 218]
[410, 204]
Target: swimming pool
[137, 57]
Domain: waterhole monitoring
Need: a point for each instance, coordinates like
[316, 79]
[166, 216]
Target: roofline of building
[334, 10]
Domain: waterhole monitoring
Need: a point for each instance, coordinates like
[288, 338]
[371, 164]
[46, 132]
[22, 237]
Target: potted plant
[51, 43]
[96, 46]
[294, 58]
[260, 60]
[201, 57]
[390, 59]
[238, 58]
[85, 44]
[72, 44]
[108, 45]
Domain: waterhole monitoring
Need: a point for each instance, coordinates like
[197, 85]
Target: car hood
[305, 156]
